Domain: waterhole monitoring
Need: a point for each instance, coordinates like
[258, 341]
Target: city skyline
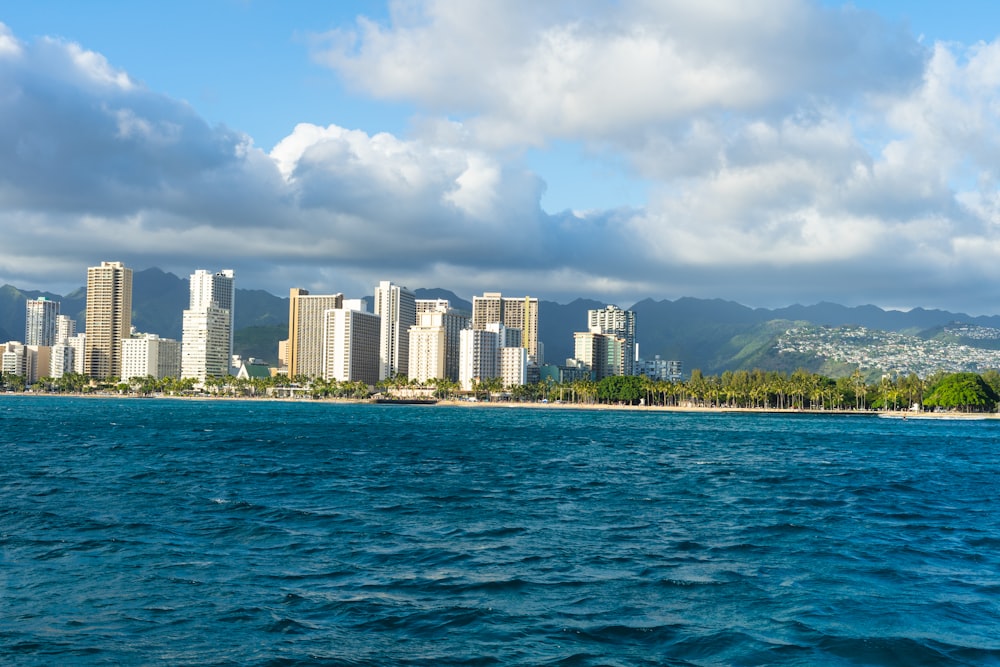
[798, 152]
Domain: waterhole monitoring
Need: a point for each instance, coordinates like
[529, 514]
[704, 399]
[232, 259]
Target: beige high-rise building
[432, 305]
[514, 313]
[397, 307]
[434, 317]
[109, 318]
[427, 350]
[306, 330]
[29, 361]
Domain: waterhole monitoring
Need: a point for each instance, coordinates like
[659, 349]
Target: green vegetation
[800, 390]
[260, 342]
[967, 392]
[626, 389]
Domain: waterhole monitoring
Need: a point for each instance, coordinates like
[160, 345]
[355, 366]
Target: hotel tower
[207, 344]
[40, 317]
[513, 313]
[306, 330]
[398, 309]
[109, 318]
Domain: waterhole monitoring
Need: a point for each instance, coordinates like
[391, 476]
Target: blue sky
[791, 151]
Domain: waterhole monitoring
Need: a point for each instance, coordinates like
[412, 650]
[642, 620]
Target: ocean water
[258, 533]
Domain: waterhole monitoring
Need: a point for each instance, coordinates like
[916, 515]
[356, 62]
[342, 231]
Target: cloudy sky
[790, 151]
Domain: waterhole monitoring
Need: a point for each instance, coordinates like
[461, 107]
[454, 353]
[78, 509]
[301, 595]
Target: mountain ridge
[710, 334]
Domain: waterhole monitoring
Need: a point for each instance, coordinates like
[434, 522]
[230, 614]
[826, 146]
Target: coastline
[901, 415]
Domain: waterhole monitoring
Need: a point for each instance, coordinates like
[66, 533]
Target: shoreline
[603, 407]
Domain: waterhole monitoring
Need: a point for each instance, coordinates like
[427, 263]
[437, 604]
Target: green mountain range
[710, 334]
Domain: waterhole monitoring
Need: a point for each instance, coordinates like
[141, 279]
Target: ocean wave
[303, 534]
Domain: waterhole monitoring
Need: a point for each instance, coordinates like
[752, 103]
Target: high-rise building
[428, 347]
[614, 321]
[436, 318]
[513, 366]
[109, 318]
[150, 355]
[478, 357]
[307, 329]
[591, 350]
[486, 309]
[207, 341]
[352, 345]
[432, 305]
[600, 353]
[514, 313]
[40, 321]
[397, 307]
[79, 345]
[217, 288]
[63, 358]
[65, 329]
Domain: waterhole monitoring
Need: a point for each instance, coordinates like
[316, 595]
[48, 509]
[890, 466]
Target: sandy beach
[552, 405]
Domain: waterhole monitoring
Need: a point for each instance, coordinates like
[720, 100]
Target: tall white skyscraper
[352, 344]
[207, 342]
[218, 288]
[479, 355]
[40, 321]
[397, 307]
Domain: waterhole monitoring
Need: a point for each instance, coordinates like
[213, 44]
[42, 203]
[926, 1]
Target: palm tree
[858, 381]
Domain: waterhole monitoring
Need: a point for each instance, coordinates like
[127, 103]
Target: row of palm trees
[732, 389]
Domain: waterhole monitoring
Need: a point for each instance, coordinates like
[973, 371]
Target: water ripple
[231, 533]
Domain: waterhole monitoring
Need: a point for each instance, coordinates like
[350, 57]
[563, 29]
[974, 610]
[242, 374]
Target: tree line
[756, 389]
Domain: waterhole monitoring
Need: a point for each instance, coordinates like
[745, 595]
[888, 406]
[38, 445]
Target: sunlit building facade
[40, 317]
[109, 318]
[397, 307]
[306, 331]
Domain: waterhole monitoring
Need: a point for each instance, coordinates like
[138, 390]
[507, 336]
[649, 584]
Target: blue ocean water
[235, 533]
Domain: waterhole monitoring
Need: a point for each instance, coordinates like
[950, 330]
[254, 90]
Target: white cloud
[616, 71]
[793, 152]
[9, 46]
[95, 67]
